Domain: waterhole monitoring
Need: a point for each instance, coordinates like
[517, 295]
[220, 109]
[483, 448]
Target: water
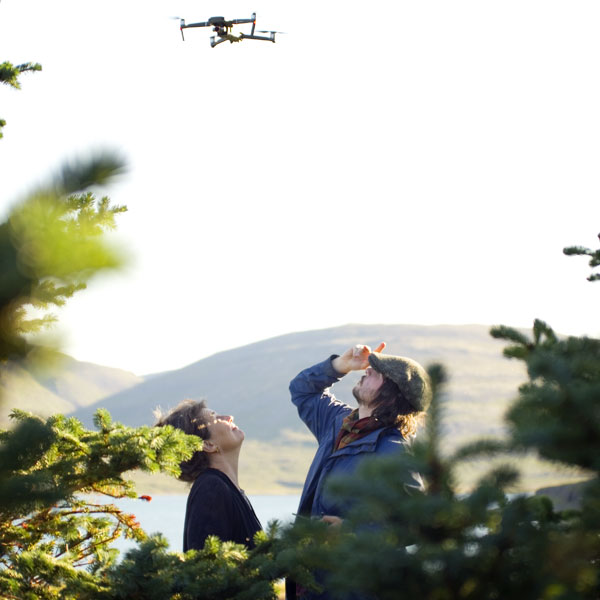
[165, 514]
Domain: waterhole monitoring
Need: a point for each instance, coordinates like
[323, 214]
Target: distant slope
[62, 388]
[251, 382]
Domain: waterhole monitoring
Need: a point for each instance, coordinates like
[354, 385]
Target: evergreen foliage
[583, 251]
[51, 244]
[58, 480]
[219, 570]
[436, 544]
[9, 75]
[57, 483]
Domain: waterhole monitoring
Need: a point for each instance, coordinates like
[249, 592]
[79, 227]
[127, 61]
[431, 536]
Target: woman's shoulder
[211, 481]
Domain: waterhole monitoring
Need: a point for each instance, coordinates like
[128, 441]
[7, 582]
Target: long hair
[187, 416]
[393, 410]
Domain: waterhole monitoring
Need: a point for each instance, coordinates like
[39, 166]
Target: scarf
[354, 428]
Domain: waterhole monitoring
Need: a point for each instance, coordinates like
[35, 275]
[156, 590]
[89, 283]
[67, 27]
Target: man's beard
[357, 396]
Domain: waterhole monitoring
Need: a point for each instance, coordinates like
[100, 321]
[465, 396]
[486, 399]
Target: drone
[222, 27]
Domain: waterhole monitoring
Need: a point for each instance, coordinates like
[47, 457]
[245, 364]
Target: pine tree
[51, 244]
[57, 513]
[58, 480]
[220, 570]
[438, 544]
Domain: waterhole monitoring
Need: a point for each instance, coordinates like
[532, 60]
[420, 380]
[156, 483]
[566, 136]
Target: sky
[418, 162]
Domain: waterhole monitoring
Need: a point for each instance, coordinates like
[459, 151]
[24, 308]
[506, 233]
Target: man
[392, 395]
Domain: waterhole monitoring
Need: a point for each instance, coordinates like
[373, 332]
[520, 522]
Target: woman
[216, 505]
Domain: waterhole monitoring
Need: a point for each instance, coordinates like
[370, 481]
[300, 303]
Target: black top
[216, 507]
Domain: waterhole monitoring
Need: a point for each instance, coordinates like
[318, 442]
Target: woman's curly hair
[187, 416]
[393, 410]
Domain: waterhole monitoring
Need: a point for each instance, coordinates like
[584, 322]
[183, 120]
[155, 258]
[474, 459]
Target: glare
[429, 175]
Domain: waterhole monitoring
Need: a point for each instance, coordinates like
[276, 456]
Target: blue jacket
[323, 415]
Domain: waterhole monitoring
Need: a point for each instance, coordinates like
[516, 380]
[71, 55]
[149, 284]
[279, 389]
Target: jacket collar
[368, 443]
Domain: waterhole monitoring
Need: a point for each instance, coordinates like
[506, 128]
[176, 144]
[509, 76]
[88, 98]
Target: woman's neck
[228, 464]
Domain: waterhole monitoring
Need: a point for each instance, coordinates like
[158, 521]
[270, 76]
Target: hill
[61, 387]
[251, 383]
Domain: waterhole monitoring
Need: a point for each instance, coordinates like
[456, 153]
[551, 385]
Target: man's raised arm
[354, 359]
[317, 407]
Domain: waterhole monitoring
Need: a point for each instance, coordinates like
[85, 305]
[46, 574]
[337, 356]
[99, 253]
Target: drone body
[222, 27]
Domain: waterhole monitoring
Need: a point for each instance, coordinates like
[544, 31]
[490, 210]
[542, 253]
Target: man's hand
[354, 359]
[332, 520]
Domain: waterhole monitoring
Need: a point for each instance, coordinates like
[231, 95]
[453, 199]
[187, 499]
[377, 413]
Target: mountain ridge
[251, 383]
[253, 379]
[61, 386]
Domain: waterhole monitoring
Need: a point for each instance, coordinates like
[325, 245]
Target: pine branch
[582, 251]
[9, 75]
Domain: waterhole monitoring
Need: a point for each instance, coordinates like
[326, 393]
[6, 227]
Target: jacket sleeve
[316, 406]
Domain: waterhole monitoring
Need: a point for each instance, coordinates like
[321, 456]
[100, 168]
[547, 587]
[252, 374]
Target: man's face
[367, 388]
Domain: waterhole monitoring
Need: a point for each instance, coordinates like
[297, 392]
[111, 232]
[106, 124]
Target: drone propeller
[270, 31]
[181, 24]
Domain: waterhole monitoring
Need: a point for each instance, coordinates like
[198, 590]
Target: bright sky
[393, 161]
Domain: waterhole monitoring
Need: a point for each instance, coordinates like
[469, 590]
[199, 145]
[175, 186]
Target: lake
[165, 514]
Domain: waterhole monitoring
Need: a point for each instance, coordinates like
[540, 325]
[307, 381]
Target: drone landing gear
[238, 38]
[224, 38]
[271, 37]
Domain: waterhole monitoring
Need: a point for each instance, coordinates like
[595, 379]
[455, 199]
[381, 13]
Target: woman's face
[223, 432]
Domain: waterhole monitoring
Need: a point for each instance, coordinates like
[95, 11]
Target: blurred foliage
[438, 544]
[51, 244]
[557, 409]
[58, 480]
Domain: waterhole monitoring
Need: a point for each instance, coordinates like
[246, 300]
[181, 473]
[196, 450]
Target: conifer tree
[437, 544]
[58, 481]
[57, 515]
[51, 244]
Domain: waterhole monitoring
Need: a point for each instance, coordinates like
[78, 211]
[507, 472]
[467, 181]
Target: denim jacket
[323, 415]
